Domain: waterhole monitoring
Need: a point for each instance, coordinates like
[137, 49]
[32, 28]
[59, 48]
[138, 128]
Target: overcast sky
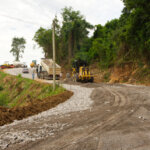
[22, 18]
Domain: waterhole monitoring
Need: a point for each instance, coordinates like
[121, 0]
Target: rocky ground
[97, 117]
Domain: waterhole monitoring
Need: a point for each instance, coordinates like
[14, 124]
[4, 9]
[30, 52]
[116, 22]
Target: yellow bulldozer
[81, 72]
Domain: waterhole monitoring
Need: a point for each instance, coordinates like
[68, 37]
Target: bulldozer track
[99, 129]
[120, 99]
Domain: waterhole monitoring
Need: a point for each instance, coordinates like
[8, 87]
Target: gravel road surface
[97, 117]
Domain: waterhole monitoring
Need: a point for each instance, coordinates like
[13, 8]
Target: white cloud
[40, 13]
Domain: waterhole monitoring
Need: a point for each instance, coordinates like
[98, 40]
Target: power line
[20, 20]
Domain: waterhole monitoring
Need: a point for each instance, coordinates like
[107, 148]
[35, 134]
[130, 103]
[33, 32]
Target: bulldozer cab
[80, 72]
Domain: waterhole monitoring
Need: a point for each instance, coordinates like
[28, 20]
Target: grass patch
[19, 75]
[3, 99]
[18, 91]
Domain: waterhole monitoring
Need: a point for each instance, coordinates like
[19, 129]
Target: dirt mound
[8, 115]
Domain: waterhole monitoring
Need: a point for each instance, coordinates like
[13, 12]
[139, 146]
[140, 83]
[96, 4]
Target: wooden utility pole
[54, 66]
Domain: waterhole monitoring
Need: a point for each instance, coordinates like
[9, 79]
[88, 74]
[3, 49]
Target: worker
[33, 73]
[40, 68]
[37, 69]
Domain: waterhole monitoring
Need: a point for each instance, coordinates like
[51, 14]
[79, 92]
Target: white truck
[45, 69]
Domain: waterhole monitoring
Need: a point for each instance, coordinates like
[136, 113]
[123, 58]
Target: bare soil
[8, 115]
[126, 73]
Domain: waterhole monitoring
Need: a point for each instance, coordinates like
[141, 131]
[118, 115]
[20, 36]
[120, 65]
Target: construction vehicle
[45, 70]
[33, 64]
[81, 72]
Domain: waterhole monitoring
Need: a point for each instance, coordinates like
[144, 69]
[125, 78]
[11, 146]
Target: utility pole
[54, 66]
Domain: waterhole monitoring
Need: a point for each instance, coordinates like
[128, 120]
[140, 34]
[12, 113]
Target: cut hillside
[125, 73]
[20, 97]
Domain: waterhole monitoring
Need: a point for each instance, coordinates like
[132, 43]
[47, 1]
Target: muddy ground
[117, 117]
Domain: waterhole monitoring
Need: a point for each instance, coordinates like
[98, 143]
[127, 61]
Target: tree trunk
[75, 47]
[70, 48]
[17, 56]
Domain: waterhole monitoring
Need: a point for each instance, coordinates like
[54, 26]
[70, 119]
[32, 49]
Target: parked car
[11, 66]
[25, 70]
[3, 67]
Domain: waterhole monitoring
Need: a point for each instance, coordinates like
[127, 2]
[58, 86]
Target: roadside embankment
[20, 97]
[124, 73]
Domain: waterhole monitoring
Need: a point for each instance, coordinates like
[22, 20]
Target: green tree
[18, 46]
[70, 37]
[83, 54]
[136, 31]
[43, 37]
[104, 47]
[74, 30]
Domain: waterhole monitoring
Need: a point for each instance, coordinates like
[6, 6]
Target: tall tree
[69, 37]
[136, 28]
[18, 46]
[103, 48]
[43, 37]
[74, 30]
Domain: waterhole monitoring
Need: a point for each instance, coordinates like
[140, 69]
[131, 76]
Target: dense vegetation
[18, 91]
[69, 37]
[119, 41]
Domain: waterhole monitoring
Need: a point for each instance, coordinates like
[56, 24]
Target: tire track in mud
[119, 101]
[98, 130]
[116, 96]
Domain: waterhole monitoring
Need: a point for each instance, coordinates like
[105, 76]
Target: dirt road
[97, 117]
[17, 71]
